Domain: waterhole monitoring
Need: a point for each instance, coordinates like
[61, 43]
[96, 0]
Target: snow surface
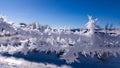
[11, 62]
[68, 45]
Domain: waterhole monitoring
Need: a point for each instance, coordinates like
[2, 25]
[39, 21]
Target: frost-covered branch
[67, 44]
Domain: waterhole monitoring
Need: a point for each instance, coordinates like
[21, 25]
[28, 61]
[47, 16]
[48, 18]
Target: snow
[11, 62]
[15, 38]
[91, 24]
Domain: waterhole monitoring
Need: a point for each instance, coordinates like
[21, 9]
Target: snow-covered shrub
[91, 25]
[65, 43]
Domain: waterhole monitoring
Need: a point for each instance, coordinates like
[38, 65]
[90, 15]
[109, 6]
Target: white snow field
[66, 44]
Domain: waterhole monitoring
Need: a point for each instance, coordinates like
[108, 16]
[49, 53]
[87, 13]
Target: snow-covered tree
[92, 24]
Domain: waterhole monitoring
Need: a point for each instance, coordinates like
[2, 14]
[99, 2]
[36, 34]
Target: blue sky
[62, 13]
